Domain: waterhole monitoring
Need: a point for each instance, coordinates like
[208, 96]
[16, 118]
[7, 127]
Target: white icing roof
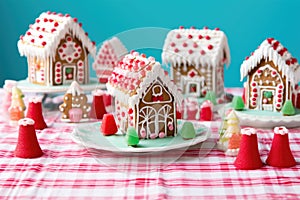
[131, 78]
[203, 47]
[271, 49]
[43, 37]
[109, 54]
[75, 89]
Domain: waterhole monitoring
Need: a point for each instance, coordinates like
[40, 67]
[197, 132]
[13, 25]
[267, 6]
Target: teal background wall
[246, 23]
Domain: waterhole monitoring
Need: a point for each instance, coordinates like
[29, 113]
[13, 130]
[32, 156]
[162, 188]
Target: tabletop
[68, 170]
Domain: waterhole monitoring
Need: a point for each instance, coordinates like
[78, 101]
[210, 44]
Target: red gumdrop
[108, 126]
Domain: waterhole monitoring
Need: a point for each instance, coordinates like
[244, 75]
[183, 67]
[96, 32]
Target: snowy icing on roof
[203, 47]
[43, 37]
[271, 49]
[75, 89]
[108, 55]
[131, 78]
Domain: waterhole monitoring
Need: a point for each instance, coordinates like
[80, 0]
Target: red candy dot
[202, 52]
[44, 43]
[28, 33]
[172, 44]
[200, 37]
[45, 20]
[40, 36]
[254, 90]
[67, 15]
[75, 19]
[37, 21]
[210, 47]
[184, 44]
[52, 30]
[191, 51]
[178, 36]
[207, 37]
[32, 40]
[176, 50]
[205, 27]
[195, 45]
[56, 24]
[80, 24]
[217, 29]
[181, 27]
[51, 20]
[190, 36]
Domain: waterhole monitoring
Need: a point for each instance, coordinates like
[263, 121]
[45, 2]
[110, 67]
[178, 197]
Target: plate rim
[190, 142]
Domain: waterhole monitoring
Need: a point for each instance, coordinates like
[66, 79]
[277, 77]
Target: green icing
[188, 130]
[132, 137]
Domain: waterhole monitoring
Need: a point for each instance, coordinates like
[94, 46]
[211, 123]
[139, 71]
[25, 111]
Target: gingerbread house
[197, 59]
[145, 97]
[108, 56]
[272, 76]
[57, 50]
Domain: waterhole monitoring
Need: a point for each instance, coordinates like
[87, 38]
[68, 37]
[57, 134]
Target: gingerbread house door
[267, 99]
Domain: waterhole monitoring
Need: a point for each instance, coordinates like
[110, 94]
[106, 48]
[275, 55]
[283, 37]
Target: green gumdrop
[188, 130]
[238, 103]
[132, 137]
[210, 95]
[288, 108]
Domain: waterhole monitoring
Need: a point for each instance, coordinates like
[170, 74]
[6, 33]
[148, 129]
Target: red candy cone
[98, 107]
[248, 156]
[28, 145]
[108, 126]
[35, 112]
[280, 154]
[206, 112]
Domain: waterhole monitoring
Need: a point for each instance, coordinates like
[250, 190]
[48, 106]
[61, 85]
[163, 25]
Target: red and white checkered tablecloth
[70, 171]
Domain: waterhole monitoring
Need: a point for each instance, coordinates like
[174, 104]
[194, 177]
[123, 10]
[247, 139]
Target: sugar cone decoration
[280, 154]
[28, 145]
[206, 111]
[98, 106]
[248, 156]
[35, 112]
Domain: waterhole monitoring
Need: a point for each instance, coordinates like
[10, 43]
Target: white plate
[268, 120]
[25, 86]
[89, 135]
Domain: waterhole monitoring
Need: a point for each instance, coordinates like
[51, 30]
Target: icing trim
[282, 130]
[43, 37]
[248, 131]
[203, 47]
[271, 49]
[25, 122]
